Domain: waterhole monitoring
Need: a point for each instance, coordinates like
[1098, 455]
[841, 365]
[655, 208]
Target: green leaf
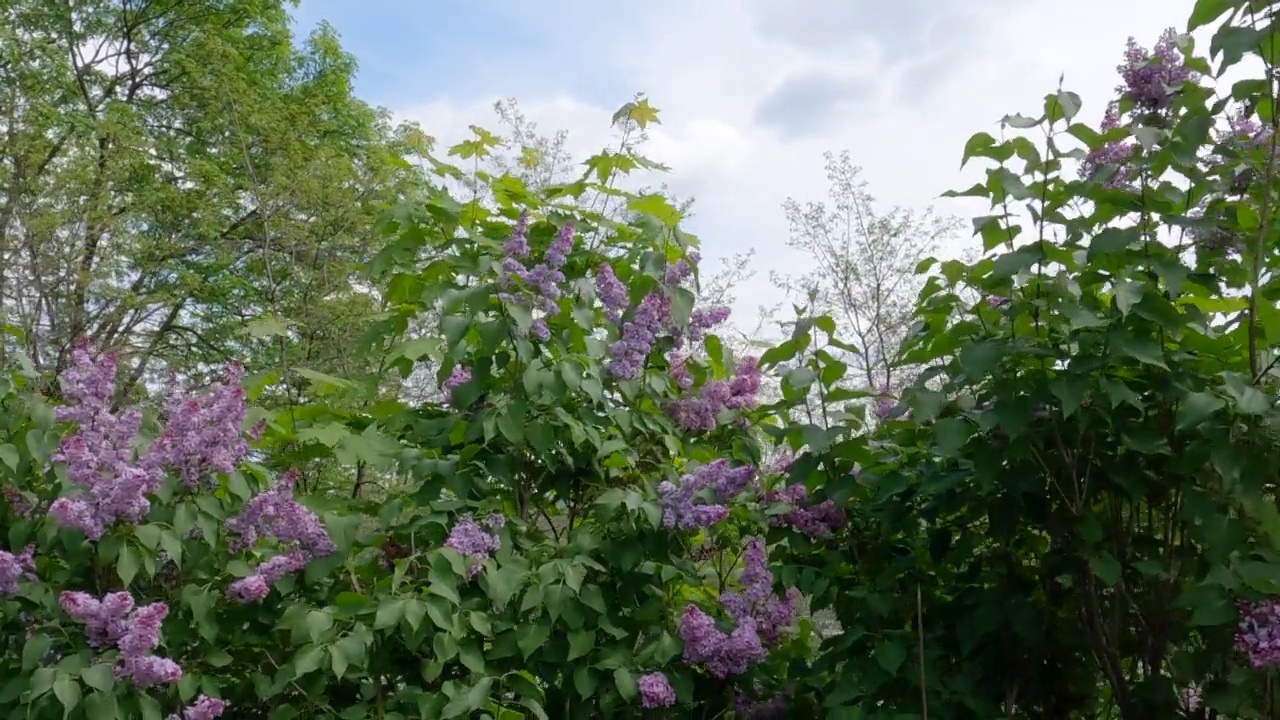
[127, 563]
[1128, 295]
[99, 677]
[626, 684]
[1106, 567]
[531, 635]
[1197, 408]
[586, 682]
[389, 614]
[580, 643]
[890, 655]
[1207, 11]
[1142, 349]
[34, 650]
[9, 455]
[472, 700]
[67, 690]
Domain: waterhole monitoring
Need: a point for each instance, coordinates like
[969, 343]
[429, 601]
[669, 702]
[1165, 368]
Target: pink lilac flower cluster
[628, 353]
[202, 434]
[684, 508]
[613, 294]
[820, 520]
[541, 283]
[475, 541]
[697, 413]
[276, 514]
[997, 301]
[1258, 634]
[702, 320]
[458, 376]
[204, 708]
[760, 617]
[655, 691]
[115, 621]
[1150, 77]
[14, 567]
[757, 601]
[1112, 154]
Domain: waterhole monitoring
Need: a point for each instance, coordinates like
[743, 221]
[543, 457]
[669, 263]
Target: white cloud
[902, 90]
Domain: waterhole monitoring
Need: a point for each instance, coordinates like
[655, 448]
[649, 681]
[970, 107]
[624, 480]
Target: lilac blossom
[14, 567]
[682, 269]
[613, 294]
[255, 587]
[700, 321]
[21, 506]
[818, 520]
[720, 653]
[517, 246]
[539, 285]
[458, 376]
[1113, 153]
[997, 301]
[628, 354]
[276, 514]
[757, 601]
[135, 631]
[884, 403]
[773, 708]
[1150, 77]
[655, 691]
[697, 413]
[475, 541]
[204, 708]
[98, 456]
[1245, 131]
[203, 432]
[678, 371]
[1258, 634]
[680, 506]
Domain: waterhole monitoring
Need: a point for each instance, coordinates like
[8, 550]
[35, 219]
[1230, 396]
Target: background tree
[864, 267]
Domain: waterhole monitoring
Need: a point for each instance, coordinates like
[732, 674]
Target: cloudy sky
[751, 92]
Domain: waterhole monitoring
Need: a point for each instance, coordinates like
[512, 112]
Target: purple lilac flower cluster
[276, 514]
[613, 294]
[1150, 77]
[1113, 153]
[681, 270]
[628, 353]
[997, 301]
[656, 691]
[722, 654]
[204, 708]
[680, 503]
[20, 506]
[541, 283]
[1245, 131]
[759, 614]
[885, 403]
[772, 708]
[15, 567]
[757, 601]
[698, 413]
[458, 376]
[475, 541]
[700, 321]
[115, 621]
[1258, 634]
[201, 435]
[818, 520]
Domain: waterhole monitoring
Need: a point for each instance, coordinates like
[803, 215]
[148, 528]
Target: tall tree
[174, 170]
[864, 262]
